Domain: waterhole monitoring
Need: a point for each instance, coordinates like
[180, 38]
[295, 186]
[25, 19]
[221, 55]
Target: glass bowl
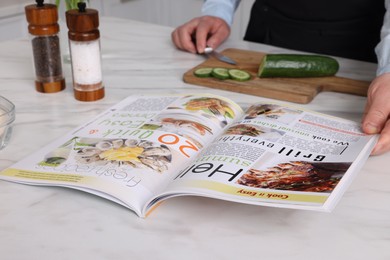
[7, 117]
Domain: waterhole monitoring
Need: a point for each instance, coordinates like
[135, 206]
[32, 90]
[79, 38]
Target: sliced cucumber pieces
[203, 72]
[222, 73]
[239, 75]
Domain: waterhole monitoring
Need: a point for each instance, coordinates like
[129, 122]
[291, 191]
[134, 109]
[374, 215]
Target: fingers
[199, 32]
[212, 31]
[383, 144]
[377, 111]
[182, 36]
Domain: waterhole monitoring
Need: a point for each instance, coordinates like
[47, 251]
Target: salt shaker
[84, 47]
[44, 33]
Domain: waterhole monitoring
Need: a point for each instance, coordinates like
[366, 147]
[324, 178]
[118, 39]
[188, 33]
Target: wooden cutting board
[298, 90]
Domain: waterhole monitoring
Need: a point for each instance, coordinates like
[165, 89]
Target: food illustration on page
[272, 111]
[218, 110]
[296, 176]
[195, 118]
[134, 153]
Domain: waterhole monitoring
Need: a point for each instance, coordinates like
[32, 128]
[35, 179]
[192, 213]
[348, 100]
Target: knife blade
[211, 52]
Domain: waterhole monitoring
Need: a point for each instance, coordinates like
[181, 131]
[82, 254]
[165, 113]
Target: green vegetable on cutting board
[297, 66]
[203, 72]
[222, 73]
[279, 65]
[240, 75]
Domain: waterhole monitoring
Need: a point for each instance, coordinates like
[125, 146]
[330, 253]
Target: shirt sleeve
[223, 9]
[382, 50]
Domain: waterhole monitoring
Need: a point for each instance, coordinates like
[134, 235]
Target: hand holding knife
[211, 52]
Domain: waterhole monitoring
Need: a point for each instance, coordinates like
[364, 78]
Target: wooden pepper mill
[84, 46]
[44, 31]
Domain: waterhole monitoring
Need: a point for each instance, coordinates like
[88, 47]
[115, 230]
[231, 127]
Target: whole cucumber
[297, 66]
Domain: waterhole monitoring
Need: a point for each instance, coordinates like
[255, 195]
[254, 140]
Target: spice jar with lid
[44, 33]
[85, 55]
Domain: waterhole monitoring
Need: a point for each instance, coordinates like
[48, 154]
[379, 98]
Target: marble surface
[58, 223]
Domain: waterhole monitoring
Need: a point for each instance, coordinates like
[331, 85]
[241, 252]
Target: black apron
[343, 28]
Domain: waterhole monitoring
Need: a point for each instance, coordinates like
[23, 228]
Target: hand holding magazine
[146, 149]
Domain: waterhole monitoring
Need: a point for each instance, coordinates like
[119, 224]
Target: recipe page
[130, 152]
[279, 156]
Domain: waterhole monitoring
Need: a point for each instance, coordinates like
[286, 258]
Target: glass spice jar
[44, 33]
[85, 55]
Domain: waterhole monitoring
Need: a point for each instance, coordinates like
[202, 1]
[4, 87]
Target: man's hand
[376, 117]
[200, 32]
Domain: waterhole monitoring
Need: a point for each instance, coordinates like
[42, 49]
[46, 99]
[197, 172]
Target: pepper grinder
[85, 55]
[44, 33]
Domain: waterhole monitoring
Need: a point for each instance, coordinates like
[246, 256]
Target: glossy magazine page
[279, 156]
[132, 151]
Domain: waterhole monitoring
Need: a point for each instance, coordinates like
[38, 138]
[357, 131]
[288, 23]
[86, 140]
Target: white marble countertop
[58, 223]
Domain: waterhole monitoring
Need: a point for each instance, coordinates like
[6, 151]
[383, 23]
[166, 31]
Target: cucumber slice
[220, 73]
[239, 75]
[297, 66]
[203, 72]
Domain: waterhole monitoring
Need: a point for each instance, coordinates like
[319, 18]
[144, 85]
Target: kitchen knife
[209, 51]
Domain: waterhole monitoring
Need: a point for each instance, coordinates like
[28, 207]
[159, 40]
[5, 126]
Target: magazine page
[130, 152]
[278, 156]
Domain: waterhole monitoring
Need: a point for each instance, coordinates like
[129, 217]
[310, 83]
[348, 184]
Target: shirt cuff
[223, 9]
[382, 49]
[383, 57]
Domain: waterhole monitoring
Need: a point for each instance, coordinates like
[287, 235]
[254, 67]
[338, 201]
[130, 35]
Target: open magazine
[146, 149]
